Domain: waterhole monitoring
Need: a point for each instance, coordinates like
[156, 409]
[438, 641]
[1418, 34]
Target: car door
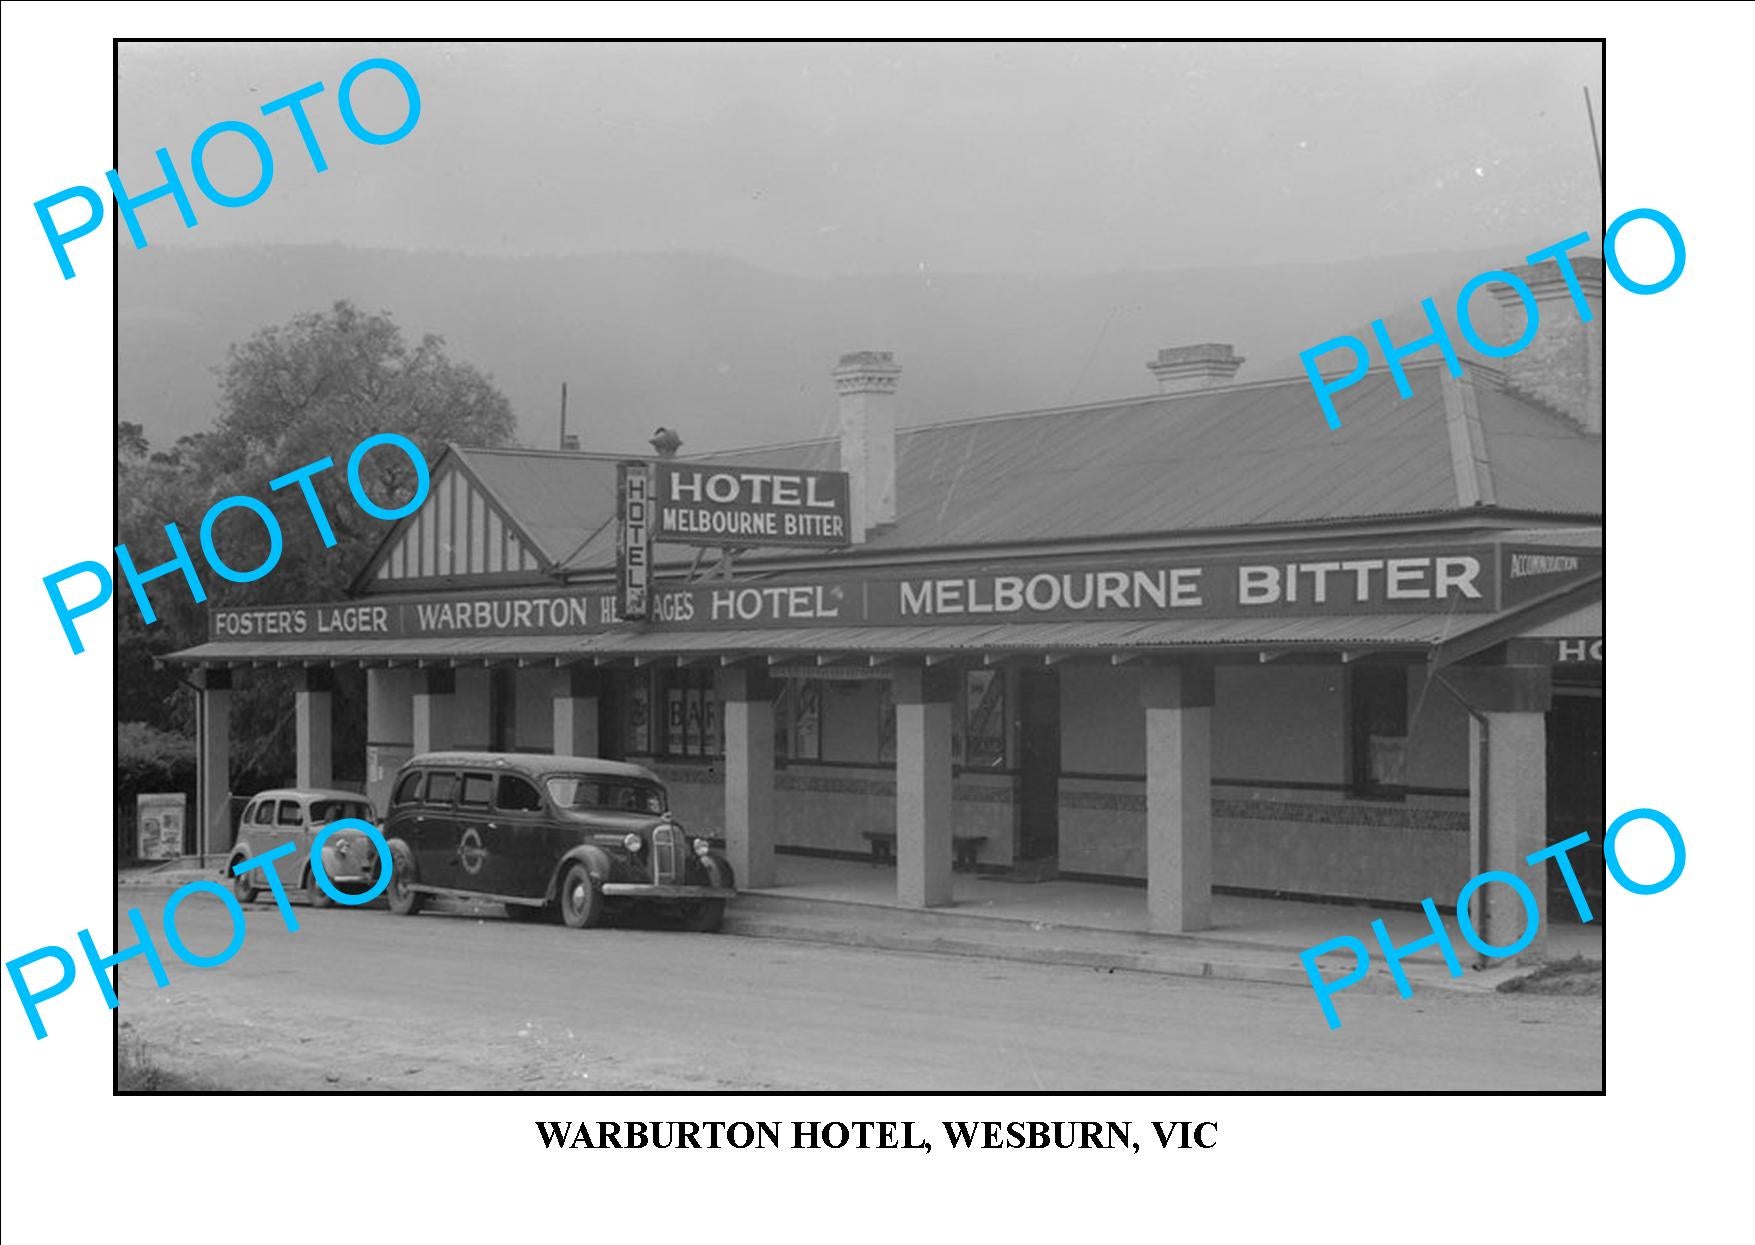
[435, 820]
[519, 838]
[477, 857]
[291, 825]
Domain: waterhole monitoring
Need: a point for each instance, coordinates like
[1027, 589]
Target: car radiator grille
[667, 855]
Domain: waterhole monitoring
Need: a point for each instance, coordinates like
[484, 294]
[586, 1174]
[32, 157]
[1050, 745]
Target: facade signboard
[633, 553]
[1455, 580]
[722, 506]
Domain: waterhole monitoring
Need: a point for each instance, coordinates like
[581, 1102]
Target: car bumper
[652, 890]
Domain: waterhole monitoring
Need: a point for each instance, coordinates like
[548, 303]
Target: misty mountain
[734, 355]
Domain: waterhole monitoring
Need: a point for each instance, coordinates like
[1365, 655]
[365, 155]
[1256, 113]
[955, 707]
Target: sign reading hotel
[703, 504]
[633, 554]
[1397, 580]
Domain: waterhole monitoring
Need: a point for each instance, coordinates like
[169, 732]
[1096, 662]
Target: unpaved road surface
[363, 1000]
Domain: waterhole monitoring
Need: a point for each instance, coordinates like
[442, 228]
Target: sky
[827, 159]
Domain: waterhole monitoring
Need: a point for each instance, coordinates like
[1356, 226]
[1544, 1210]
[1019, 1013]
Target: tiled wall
[829, 807]
[1304, 842]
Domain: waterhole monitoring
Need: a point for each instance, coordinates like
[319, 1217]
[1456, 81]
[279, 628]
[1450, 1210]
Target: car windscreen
[582, 794]
[325, 811]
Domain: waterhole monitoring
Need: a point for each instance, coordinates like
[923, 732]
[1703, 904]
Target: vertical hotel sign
[633, 557]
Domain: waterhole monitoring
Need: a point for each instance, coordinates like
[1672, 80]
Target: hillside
[733, 355]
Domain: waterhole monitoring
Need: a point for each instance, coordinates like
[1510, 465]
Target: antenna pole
[1595, 146]
[563, 415]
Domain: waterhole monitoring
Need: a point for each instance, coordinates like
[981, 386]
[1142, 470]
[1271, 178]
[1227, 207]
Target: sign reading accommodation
[704, 504]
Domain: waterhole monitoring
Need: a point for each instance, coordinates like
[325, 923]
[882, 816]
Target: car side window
[440, 788]
[478, 790]
[408, 790]
[290, 814]
[517, 796]
[265, 813]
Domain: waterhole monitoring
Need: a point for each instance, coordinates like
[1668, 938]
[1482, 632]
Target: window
[290, 814]
[691, 714]
[325, 811]
[637, 727]
[478, 789]
[408, 790]
[798, 719]
[517, 796]
[1378, 704]
[590, 793]
[440, 788]
[265, 813]
[984, 718]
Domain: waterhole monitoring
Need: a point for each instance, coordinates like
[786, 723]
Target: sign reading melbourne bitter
[704, 504]
[1473, 579]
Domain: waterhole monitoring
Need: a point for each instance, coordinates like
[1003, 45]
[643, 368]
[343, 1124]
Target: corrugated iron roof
[1233, 457]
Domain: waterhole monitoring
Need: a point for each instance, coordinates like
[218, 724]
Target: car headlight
[702, 847]
[632, 842]
[341, 848]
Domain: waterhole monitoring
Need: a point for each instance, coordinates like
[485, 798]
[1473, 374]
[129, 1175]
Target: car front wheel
[401, 899]
[242, 887]
[581, 902]
[315, 895]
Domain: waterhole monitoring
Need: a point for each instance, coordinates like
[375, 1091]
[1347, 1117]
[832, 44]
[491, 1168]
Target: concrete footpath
[1077, 924]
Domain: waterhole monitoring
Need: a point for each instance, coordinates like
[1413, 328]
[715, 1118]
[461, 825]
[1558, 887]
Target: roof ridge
[1106, 404]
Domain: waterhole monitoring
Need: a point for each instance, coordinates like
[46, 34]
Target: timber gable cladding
[463, 531]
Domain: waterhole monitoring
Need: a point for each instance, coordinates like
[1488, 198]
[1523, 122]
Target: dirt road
[362, 1000]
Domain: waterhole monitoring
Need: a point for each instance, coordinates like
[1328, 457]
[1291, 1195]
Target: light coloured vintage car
[295, 815]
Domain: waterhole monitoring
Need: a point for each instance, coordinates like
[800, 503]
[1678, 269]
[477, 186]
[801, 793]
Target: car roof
[536, 765]
[310, 793]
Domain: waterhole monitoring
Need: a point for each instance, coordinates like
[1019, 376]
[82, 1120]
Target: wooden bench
[963, 847]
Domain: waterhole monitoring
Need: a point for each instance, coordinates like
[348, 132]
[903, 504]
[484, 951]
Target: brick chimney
[866, 384]
[1181, 369]
[1563, 366]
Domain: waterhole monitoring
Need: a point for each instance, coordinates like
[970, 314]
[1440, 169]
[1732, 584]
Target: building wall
[534, 690]
[829, 807]
[389, 730]
[1284, 819]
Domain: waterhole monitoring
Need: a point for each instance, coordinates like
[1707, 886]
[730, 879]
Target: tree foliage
[290, 395]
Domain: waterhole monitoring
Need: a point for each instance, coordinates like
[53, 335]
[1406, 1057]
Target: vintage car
[295, 815]
[547, 836]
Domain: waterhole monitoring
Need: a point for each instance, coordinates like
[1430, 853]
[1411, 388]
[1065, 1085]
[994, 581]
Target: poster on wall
[160, 822]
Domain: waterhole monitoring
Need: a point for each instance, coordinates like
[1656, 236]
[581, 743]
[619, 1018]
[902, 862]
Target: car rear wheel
[402, 900]
[581, 902]
[242, 887]
[704, 917]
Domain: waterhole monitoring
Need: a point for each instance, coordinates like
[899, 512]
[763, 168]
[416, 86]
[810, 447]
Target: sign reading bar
[633, 552]
[703, 504]
[1400, 580]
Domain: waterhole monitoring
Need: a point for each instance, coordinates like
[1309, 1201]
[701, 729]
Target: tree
[292, 394]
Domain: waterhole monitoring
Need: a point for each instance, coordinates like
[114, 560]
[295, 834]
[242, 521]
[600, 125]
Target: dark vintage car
[572, 837]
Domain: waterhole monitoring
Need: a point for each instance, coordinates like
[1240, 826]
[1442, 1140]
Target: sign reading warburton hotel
[1400, 580]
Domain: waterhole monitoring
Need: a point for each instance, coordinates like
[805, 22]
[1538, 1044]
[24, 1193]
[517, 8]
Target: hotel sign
[704, 504]
[633, 550]
[1398, 580]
